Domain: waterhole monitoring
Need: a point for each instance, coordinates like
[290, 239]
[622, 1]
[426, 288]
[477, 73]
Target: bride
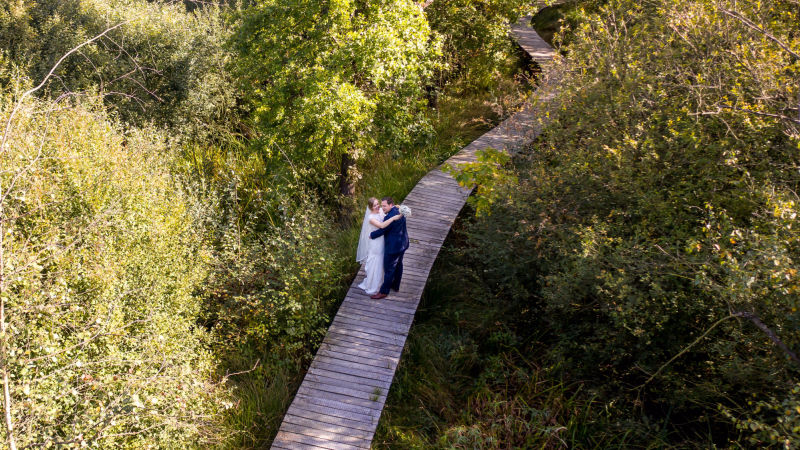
[370, 251]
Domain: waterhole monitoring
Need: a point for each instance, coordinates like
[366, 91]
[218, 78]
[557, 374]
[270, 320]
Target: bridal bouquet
[404, 210]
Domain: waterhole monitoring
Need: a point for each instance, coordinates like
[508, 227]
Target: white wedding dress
[370, 253]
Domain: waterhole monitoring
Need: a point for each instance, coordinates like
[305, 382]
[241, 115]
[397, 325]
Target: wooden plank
[426, 195]
[412, 264]
[304, 408]
[432, 218]
[348, 335]
[386, 320]
[358, 412]
[427, 238]
[395, 335]
[433, 198]
[358, 345]
[394, 300]
[343, 367]
[370, 313]
[389, 305]
[435, 192]
[360, 436]
[422, 251]
[431, 222]
[295, 445]
[427, 212]
[418, 259]
[362, 370]
[287, 438]
[371, 310]
[390, 308]
[332, 422]
[358, 293]
[363, 344]
[427, 229]
[441, 183]
[365, 398]
[332, 440]
[372, 362]
[417, 230]
[431, 237]
[323, 374]
[324, 391]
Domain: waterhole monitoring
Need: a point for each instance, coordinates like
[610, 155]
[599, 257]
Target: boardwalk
[339, 403]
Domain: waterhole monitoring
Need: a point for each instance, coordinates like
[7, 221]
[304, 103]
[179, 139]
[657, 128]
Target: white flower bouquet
[404, 210]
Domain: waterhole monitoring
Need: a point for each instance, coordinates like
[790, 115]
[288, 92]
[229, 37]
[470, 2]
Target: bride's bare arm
[386, 223]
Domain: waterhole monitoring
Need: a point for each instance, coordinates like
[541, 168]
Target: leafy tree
[475, 34]
[330, 82]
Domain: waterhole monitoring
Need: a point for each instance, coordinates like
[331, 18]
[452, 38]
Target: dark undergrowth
[473, 376]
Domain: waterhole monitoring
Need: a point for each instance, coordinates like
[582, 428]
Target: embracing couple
[381, 246]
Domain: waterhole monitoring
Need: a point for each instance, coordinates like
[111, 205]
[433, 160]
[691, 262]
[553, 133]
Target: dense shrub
[476, 36]
[654, 231]
[164, 65]
[100, 260]
[268, 292]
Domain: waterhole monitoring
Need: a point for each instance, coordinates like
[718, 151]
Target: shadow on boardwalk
[340, 401]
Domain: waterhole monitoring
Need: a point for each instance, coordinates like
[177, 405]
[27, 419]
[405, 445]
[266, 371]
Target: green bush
[653, 233]
[100, 262]
[269, 291]
[164, 64]
[476, 36]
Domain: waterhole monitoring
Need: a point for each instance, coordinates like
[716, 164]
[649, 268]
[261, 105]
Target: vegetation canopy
[653, 232]
[331, 82]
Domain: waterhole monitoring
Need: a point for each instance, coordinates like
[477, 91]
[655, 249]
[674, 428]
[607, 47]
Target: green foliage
[164, 65]
[270, 290]
[556, 23]
[471, 376]
[772, 421]
[488, 175]
[476, 36]
[332, 82]
[187, 253]
[660, 201]
[100, 261]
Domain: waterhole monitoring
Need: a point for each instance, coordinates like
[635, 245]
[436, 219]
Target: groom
[395, 245]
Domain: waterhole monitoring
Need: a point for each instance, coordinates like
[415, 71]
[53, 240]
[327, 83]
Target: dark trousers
[392, 271]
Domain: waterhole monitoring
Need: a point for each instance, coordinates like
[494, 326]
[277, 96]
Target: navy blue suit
[395, 238]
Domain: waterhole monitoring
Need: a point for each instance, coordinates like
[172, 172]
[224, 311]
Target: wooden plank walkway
[340, 401]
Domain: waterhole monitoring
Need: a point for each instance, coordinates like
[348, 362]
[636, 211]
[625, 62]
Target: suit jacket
[395, 237]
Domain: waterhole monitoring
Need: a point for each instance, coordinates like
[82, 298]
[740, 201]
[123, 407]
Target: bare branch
[47, 77]
[770, 334]
[759, 113]
[753, 26]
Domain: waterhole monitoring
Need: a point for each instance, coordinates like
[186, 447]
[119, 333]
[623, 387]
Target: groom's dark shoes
[378, 296]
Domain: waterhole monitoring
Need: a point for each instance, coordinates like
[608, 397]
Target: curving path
[339, 403]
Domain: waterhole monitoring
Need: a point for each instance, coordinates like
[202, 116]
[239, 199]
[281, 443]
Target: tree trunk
[432, 95]
[348, 176]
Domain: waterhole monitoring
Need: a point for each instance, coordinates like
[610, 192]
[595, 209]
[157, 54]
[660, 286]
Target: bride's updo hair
[371, 202]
